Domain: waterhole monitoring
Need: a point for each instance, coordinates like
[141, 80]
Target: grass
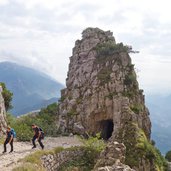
[32, 162]
[29, 167]
[35, 157]
[2, 139]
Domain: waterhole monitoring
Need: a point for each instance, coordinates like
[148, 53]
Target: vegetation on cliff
[46, 119]
[139, 148]
[7, 95]
[109, 48]
[168, 156]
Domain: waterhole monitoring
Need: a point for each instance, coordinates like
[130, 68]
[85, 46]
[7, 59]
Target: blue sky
[41, 34]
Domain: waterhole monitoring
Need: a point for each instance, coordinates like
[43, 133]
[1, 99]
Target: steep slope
[29, 86]
[102, 95]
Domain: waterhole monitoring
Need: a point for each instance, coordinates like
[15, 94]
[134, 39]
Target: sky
[41, 34]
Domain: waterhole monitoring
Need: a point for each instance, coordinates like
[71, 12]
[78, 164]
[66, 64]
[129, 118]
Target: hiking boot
[4, 152]
[43, 147]
[10, 151]
[33, 147]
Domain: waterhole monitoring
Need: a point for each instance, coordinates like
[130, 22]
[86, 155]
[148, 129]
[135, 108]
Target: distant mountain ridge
[31, 88]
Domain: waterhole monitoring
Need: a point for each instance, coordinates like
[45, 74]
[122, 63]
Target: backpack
[42, 133]
[13, 132]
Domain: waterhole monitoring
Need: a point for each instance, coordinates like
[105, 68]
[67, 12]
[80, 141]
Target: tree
[7, 95]
[168, 156]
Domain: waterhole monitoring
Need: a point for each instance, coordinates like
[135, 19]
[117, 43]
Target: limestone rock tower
[102, 95]
[101, 88]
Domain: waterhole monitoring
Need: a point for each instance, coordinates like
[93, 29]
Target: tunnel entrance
[106, 129]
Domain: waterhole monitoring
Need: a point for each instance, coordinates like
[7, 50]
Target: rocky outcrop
[112, 158]
[101, 86]
[169, 166]
[3, 123]
[102, 95]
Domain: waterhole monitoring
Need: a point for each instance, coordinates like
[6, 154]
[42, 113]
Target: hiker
[38, 134]
[9, 139]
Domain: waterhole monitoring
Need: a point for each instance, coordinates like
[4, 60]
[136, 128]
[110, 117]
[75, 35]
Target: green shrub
[111, 95]
[168, 156]
[138, 147]
[129, 94]
[24, 132]
[109, 48]
[92, 148]
[62, 99]
[94, 143]
[35, 157]
[104, 75]
[129, 79]
[7, 95]
[83, 163]
[72, 113]
[150, 152]
[136, 108]
[46, 119]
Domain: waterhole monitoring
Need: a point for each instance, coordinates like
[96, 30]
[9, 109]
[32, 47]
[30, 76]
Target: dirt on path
[8, 161]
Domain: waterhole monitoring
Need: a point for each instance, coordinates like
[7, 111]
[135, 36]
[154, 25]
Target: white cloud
[41, 33]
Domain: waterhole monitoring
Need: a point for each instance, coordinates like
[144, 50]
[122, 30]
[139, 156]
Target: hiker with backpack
[39, 135]
[9, 139]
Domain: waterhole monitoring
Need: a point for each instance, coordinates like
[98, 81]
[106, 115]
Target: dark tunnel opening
[106, 129]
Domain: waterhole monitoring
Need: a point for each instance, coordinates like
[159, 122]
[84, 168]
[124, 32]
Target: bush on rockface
[92, 148]
[95, 143]
[104, 75]
[109, 48]
[168, 156]
[151, 152]
[138, 147]
[7, 95]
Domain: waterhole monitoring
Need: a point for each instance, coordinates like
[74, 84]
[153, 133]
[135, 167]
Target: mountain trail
[8, 161]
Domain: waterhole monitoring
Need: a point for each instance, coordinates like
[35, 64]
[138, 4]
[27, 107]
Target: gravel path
[21, 149]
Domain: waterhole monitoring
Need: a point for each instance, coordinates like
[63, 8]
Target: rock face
[112, 158]
[169, 166]
[102, 92]
[2, 112]
[101, 88]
